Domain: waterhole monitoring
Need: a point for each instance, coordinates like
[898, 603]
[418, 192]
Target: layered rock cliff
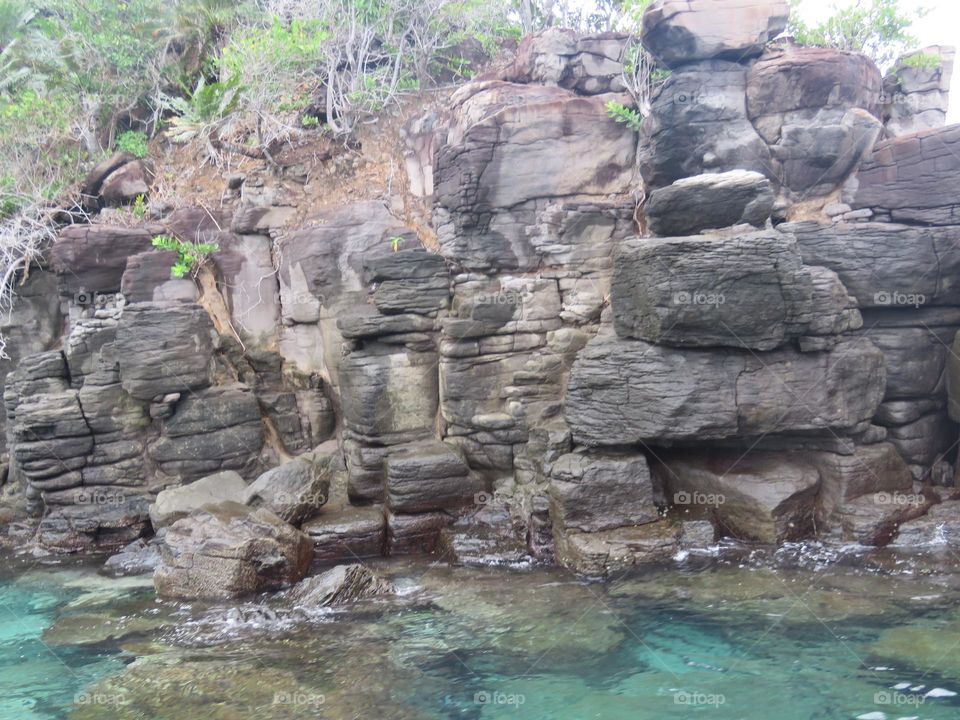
[558, 339]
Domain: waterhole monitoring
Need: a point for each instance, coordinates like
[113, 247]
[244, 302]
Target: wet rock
[297, 489]
[628, 391]
[488, 537]
[175, 503]
[681, 31]
[939, 527]
[598, 554]
[137, 558]
[339, 586]
[758, 496]
[911, 178]
[428, 475]
[746, 290]
[600, 492]
[719, 200]
[873, 519]
[230, 551]
[417, 533]
[871, 469]
[347, 532]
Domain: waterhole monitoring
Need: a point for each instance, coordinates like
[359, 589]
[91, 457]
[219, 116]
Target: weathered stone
[939, 527]
[744, 290]
[386, 392]
[178, 502]
[915, 359]
[417, 533]
[486, 538]
[600, 492]
[586, 64]
[164, 348]
[347, 532]
[297, 489]
[215, 429]
[624, 391]
[916, 93]
[599, 554]
[147, 279]
[871, 469]
[92, 258]
[923, 441]
[125, 184]
[511, 146]
[886, 264]
[250, 286]
[339, 586]
[428, 475]
[698, 124]
[754, 496]
[873, 519]
[681, 31]
[138, 558]
[913, 178]
[719, 200]
[358, 326]
[409, 281]
[230, 551]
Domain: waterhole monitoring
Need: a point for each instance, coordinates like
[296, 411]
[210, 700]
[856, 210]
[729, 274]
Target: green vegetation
[132, 142]
[920, 61]
[622, 114]
[190, 255]
[878, 28]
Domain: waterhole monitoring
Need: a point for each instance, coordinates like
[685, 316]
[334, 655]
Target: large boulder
[92, 258]
[747, 290]
[681, 31]
[698, 124]
[870, 469]
[768, 497]
[511, 148]
[347, 532]
[409, 281]
[913, 178]
[229, 551]
[178, 502]
[297, 489]
[600, 492]
[628, 391]
[717, 200]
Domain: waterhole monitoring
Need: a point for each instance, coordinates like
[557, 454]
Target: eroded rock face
[742, 289]
[682, 31]
[175, 503]
[296, 490]
[230, 551]
[628, 391]
[912, 179]
[509, 147]
[427, 476]
[600, 492]
[917, 91]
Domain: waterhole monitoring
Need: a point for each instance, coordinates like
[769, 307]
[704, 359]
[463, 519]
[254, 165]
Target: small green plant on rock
[190, 255]
[622, 114]
[139, 208]
[132, 142]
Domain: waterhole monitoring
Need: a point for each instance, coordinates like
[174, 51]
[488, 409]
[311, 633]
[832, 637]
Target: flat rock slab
[623, 392]
[339, 586]
[175, 503]
[347, 532]
[429, 475]
[718, 200]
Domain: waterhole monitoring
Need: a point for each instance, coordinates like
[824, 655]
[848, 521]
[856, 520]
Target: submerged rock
[338, 586]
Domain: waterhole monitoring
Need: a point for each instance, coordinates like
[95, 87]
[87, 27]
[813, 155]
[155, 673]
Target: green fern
[622, 114]
[190, 256]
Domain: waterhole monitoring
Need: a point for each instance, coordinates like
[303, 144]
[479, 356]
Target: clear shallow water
[745, 640]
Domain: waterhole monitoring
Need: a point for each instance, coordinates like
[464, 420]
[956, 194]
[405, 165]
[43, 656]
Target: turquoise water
[724, 640]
